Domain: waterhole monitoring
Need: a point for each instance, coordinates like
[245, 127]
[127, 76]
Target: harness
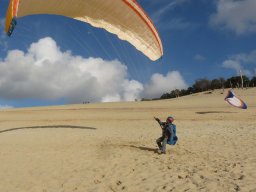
[172, 139]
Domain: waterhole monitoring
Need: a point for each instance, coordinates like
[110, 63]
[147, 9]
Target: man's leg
[158, 141]
[163, 149]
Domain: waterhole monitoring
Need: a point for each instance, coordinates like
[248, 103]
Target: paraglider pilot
[166, 133]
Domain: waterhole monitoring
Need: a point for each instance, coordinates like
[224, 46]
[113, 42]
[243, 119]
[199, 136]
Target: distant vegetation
[206, 85]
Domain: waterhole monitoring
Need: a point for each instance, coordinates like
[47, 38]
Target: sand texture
[111, 146]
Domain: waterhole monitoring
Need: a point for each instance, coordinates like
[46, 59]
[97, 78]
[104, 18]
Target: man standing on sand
[167, 133]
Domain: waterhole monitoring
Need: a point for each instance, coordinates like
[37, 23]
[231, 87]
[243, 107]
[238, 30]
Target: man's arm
[159, 121]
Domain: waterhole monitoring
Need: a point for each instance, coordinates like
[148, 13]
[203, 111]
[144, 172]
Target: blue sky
[201, 39]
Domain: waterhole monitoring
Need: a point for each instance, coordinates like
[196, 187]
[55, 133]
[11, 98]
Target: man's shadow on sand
[155, 150]
[49, 126]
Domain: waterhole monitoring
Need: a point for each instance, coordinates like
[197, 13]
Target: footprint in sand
[97, 181]
[119, 183]
[241, 177]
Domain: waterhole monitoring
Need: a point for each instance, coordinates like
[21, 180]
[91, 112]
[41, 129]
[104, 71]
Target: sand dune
[111, 146]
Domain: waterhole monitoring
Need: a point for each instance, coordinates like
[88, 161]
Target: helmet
[169, 119]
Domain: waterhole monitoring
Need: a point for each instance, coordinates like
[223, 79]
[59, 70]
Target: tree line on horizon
[205, 84]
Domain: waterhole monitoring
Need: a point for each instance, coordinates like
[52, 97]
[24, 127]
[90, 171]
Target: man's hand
[156, 119]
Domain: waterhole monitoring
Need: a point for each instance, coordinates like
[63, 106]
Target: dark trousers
[161, 142]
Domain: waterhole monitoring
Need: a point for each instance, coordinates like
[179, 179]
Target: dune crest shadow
[206, 112]
[49, 126]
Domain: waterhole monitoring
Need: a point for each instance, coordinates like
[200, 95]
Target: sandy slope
[111, 146]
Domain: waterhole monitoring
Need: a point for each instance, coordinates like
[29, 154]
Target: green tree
[246, 81]
[216, 84]
[190, 90]
[202, 85]
[236, 82]
[166, 96]
[253, 82]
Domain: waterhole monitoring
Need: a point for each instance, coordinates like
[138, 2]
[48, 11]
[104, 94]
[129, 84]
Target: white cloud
[2, 24]
[199, 58]
[177, 24]
[238, 16]
[45, 72]
[133, 90]
[242, 62]
[160, 84]
[167, 6]
[246, 58]
[231, 64]
[3, 42]
[5, 107]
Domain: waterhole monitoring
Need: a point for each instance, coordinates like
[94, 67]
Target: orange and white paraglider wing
[233, 100]
[125, 18]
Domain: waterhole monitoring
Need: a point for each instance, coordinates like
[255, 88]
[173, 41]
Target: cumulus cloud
[160, 84]
[46, 72]
[238, 16]
[245, 62]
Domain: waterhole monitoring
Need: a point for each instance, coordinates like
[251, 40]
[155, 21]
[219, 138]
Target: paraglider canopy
[233, 100]
[124, 18]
